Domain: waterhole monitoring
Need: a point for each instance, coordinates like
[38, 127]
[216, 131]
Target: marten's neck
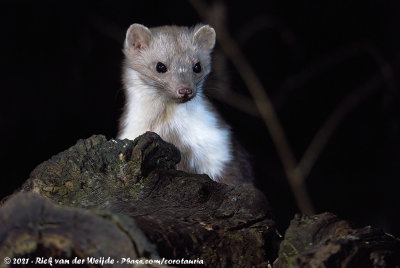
[191, 126]
[147, 110]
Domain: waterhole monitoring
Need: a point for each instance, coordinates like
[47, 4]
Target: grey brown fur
[155, 102]
[173, 46]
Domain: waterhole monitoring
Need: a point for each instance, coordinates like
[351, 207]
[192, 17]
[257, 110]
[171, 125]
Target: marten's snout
[185, 94]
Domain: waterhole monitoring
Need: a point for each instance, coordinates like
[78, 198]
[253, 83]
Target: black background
[60, 81]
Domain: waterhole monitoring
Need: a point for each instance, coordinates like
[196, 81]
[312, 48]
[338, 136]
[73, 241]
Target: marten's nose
[185, 93]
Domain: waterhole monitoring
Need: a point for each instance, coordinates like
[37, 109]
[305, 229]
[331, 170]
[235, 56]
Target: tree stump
[118, 202]
[128, 195]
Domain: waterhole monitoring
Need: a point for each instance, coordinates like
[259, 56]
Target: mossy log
[125, 199]
[120, 199]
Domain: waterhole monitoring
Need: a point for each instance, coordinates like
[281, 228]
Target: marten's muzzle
[185, 94]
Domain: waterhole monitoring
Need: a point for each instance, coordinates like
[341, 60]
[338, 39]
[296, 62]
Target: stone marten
[163, 75]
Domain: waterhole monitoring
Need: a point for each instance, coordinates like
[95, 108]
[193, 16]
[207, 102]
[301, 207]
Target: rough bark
[128, 195]
[325, 241]
[32, 226]
[125, 199]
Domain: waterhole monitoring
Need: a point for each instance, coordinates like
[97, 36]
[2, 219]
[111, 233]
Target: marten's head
[170, 59]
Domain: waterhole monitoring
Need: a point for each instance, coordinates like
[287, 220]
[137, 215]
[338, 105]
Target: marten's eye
[161, 68]
[197, 68]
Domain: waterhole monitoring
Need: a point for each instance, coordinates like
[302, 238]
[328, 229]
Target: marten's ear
[204, 37]
[138, 36]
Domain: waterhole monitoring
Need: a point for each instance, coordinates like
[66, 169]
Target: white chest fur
[205, 146]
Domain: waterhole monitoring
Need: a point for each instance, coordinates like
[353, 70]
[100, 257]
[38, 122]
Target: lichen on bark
[183, 215]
